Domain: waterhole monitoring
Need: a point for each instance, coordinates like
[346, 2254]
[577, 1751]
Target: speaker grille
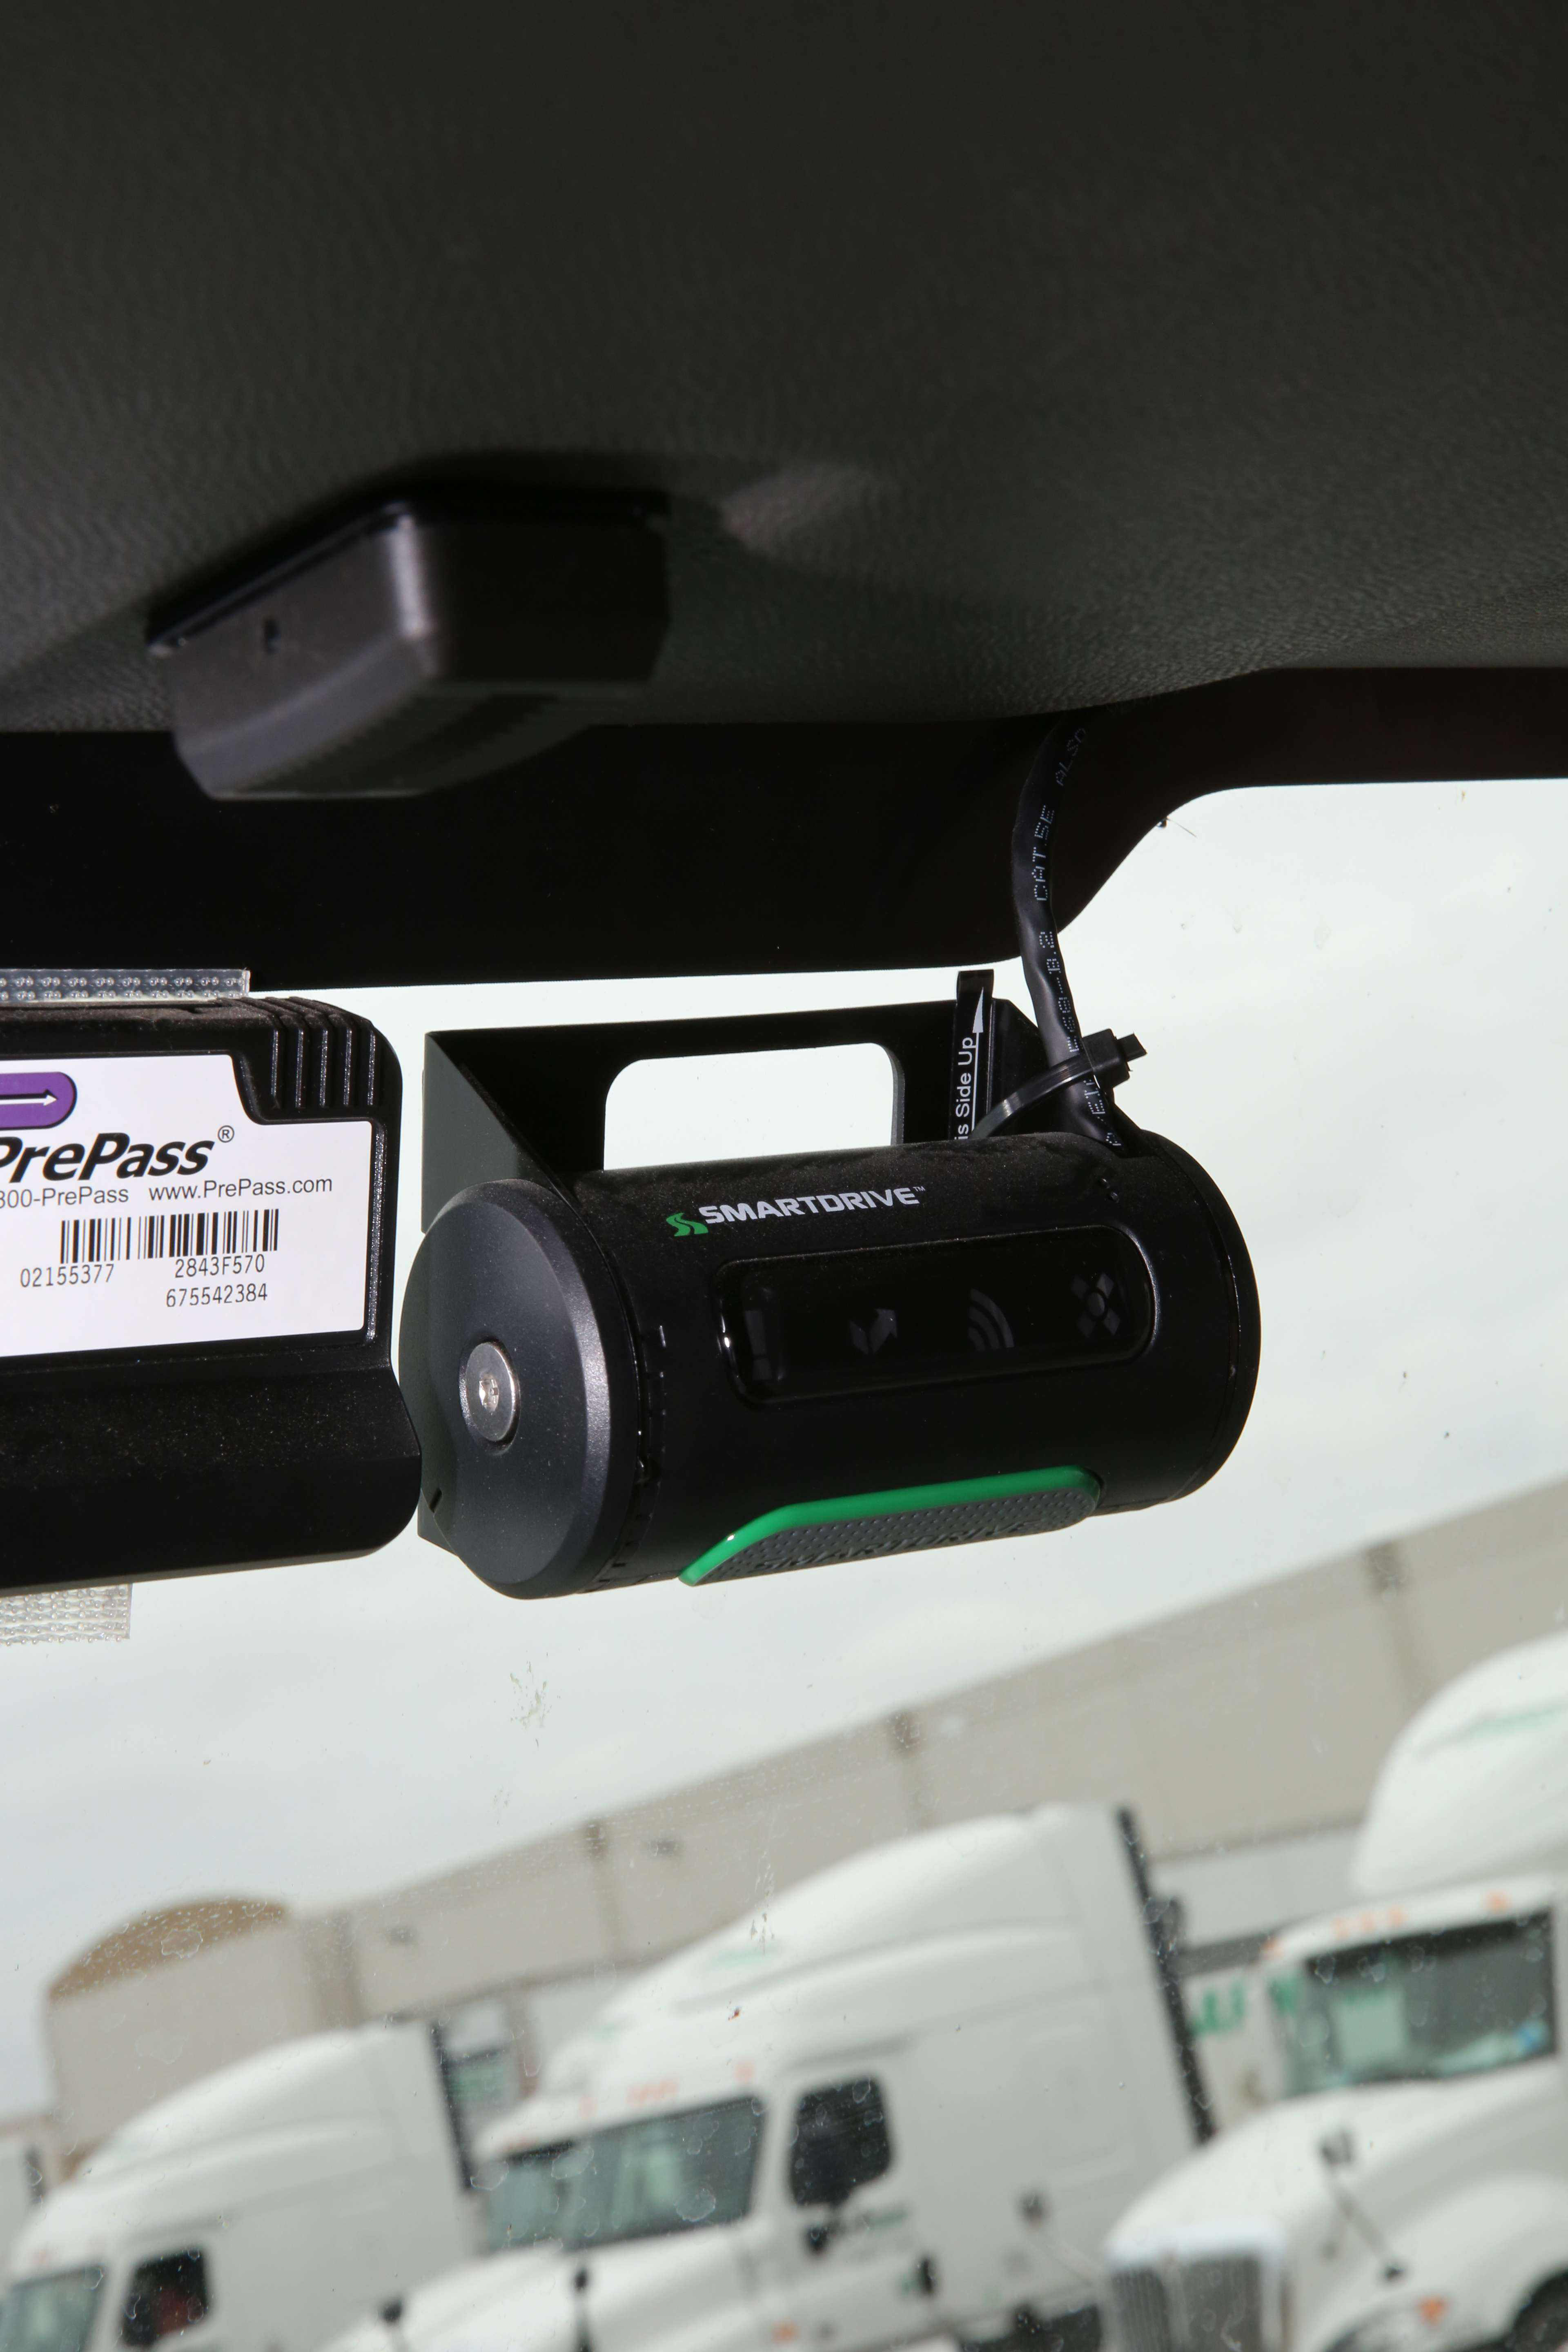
[922, 1518]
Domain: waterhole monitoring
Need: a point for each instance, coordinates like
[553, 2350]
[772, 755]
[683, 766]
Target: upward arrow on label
[36, 1097]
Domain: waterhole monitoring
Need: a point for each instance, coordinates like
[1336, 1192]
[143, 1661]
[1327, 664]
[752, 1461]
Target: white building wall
[1231, 1892]
[118, 2046]
[1245, 1734]
[537, 1911]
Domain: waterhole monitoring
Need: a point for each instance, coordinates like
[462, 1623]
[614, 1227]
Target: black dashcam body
[724, 1371]
[197, 1204]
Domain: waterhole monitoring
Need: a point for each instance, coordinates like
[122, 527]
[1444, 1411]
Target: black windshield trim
[1471, 1934]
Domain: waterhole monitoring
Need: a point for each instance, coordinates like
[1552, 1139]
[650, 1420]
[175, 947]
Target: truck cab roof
[330, 2104]
[1476, 1781]
[899, 1929]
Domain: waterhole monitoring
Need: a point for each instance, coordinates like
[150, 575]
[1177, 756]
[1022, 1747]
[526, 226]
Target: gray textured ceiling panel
[996, 358]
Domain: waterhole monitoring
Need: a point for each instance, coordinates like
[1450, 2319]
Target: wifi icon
[988, 1326]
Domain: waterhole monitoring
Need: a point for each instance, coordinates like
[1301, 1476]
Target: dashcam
[1021, 1310]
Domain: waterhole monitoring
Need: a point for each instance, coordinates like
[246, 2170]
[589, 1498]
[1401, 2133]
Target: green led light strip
[891, 1503]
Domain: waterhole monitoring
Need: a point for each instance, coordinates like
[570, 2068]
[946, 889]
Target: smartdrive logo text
[802, 1204]
[34, 1099]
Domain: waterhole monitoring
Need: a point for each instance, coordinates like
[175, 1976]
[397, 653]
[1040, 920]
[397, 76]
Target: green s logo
[684, 1226]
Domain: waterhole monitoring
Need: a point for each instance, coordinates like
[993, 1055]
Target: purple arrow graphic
[36, 1097]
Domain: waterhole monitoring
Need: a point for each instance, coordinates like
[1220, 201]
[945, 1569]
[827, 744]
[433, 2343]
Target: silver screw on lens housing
[488, 1392]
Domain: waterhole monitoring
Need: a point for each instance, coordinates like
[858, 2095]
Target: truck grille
[1212, 2303]
[1139, 2311]
[1221, 2296]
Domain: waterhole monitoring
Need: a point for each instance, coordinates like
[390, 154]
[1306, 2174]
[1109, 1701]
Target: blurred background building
[1210, 1723]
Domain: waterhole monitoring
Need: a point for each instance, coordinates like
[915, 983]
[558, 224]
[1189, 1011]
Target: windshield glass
[50, 2315]
[1418, 2007]
[524, 2205]
[668, 2172]
[1335, 1676]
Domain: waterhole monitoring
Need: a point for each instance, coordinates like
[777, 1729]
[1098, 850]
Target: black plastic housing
[132, 1462]
[423, 641]
[704, 1446]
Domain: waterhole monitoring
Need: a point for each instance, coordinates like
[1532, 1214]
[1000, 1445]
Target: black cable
[1081, 1106]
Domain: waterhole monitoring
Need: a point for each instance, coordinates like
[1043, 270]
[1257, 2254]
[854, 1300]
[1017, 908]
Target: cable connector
[1104, 1057]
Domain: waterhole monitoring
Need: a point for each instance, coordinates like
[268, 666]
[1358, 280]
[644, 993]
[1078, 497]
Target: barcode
[193, 1233]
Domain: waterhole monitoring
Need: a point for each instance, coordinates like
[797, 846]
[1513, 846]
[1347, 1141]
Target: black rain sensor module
[420, 640]
[197, 1200]
[1021, 1310]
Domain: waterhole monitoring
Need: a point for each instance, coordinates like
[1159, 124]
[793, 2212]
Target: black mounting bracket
[530, 1102]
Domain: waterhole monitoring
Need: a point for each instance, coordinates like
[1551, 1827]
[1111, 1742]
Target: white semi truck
[905, 2098]
[518, 2171]
[257, 2211]
[1409, 2193]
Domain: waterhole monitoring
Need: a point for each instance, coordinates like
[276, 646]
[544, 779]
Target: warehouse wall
[118, 2043]
[1246, 1733]
[1250, 1725]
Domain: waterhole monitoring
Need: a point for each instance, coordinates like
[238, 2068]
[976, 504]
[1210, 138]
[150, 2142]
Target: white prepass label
[140, 1206]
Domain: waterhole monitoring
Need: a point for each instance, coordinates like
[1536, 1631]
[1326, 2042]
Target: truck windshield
[671, 2172]
[524, 2205]
[50, 2315]
[1418, 2007]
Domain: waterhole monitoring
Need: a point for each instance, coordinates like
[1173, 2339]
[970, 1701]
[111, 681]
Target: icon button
[989, 1329]
[872, 1336]
[1100, 1310]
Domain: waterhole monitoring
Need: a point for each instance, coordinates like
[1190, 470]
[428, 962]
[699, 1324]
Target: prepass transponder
[196, 1220]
